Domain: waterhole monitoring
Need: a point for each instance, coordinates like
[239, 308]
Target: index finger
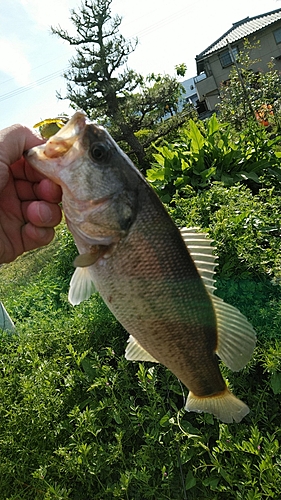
[14, 141]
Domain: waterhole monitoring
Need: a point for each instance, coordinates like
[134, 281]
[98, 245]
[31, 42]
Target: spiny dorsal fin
[81, 286]
[135, 352]
[201, 251]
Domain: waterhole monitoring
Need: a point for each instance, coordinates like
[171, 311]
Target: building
[190, 96]
[214, 63]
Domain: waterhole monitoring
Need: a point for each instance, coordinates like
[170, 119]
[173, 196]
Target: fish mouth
[60, 143]
[64, 139]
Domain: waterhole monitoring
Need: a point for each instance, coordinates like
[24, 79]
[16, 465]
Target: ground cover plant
[79, 422]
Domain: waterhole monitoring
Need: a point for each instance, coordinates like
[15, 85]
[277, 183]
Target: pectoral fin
[81, 286]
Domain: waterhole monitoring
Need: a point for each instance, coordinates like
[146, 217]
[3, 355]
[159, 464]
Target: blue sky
[169, 33]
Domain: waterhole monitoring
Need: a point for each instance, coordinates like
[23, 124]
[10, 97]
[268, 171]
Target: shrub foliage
[79, 422]
[211, 151]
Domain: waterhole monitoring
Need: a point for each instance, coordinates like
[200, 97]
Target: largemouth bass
[156, 280]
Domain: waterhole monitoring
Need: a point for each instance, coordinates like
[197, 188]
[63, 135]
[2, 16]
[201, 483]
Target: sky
[32, 60]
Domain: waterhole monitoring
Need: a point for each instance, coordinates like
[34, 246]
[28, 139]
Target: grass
[79, 422]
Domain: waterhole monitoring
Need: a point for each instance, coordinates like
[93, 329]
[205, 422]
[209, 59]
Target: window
[227, 57]
[277, 35]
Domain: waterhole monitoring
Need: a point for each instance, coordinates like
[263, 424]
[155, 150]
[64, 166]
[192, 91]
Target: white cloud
[13, 61]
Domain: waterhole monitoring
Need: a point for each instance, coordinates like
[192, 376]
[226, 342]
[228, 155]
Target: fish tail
[224, 405]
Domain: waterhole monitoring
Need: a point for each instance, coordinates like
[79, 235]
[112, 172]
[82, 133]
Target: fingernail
[45, 213]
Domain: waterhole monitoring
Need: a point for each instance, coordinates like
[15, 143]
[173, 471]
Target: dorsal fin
[201, 251]
[236, 337]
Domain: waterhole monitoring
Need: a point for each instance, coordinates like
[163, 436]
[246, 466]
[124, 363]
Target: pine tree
[100, 83]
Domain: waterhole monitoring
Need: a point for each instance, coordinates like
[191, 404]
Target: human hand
[29, 207]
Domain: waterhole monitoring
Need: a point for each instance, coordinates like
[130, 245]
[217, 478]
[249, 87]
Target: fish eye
[99, 152]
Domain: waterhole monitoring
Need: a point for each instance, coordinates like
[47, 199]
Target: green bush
[79, 422]
[210, 151]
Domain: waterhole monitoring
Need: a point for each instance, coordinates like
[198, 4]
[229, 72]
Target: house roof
[241, 30]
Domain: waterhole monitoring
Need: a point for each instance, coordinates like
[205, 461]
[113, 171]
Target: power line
[32, 85]
[161, 22]
[146, 31]
[35, 67]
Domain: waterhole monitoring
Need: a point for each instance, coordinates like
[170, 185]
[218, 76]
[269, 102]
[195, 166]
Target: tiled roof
[242, 29]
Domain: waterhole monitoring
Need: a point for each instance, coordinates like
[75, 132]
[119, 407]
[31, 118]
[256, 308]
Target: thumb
[4, 176]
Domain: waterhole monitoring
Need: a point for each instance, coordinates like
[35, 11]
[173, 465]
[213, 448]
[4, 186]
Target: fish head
[99, 182]
[83, 158]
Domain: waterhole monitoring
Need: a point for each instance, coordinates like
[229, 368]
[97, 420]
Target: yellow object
[51, 126]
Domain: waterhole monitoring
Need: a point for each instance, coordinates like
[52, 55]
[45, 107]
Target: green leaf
[275, 171]
[116, 416]
[197, 139]
[155, 174]
[178, 181]
[275, 382]
[87, 366]
[212, 482]
[206, 174]
[189, 429]
[249, 175]
[160, 158]
[164, 422]
[184, 164]
[227, 179]
[213, 124]
[190, 480]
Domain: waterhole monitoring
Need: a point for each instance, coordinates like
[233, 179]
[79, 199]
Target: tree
[100, 83]
[250, 96]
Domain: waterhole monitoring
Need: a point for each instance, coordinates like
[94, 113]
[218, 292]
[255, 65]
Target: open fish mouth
[61, 143]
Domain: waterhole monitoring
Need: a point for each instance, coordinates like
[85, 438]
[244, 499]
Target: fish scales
[164, 295]
[132, 253]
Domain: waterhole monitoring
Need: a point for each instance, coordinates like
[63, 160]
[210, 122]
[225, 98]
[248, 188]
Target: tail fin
[223, 405]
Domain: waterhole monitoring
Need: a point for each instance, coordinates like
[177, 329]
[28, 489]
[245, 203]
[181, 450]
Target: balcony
[205, 86]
